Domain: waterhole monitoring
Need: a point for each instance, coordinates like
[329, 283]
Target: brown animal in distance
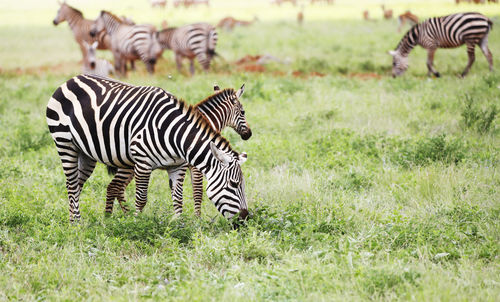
[387, 13]
[366, 15]
[406, 17]
[229, 23]
[300, 15]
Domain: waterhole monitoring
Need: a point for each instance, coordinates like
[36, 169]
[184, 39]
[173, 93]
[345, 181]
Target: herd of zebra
[137, 129]
[129, 42]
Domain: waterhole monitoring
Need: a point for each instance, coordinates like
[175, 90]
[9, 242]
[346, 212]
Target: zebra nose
[243, 214]
[246, 135]
[54, 21]
[92, 65]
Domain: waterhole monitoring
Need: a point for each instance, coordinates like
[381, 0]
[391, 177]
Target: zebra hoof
[437, 74]
[107, 214]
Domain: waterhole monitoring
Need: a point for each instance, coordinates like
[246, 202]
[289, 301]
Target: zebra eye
[243, 112]
[233, 183]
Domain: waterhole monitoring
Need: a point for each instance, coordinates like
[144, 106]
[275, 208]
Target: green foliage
[477, 119]
[360, 186]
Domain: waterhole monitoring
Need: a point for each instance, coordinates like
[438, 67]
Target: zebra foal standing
[96, 65]
[220, 109]
[450, 31]
[94, 119]
[128, 42]
[191, 41]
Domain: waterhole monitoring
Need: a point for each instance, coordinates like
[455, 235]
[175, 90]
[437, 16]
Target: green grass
[362, 187]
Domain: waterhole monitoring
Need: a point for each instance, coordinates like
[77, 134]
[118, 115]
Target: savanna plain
[361, 186]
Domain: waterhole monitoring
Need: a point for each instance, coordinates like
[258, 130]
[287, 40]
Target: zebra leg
[486, 51]
[430, 63]
[191, 66]
[176, 180]
[142, 173]
[69, 158]
[472, 57]
[178, 61]
[197, 182]
[86, 166]
[116, 189]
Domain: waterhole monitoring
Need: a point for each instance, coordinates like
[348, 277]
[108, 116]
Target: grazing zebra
[94, 119]
[221, 109]
[444, 32]
[190, 41]
[128, 42]
[81, 28]
[95, 65]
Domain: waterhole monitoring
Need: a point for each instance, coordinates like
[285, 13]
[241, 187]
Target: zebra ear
[392, 52]
[221, 156]
[242, 158]
[240, 91]
[216, 87]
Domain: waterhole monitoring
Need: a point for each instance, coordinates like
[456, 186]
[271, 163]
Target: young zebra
[81, 28]
[190, 41]
[95, 65]
[128, 42]
[220, 109]
[450, 31]
[94, 119]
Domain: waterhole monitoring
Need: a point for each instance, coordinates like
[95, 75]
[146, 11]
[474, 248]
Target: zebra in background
[81, 28]
[220, 109]
[191, 41]
[128, 42]
[94, 119]
[95, 65]
[450, 31]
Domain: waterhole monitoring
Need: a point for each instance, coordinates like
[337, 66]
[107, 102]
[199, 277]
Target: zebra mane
[196, 116]
[115, 17]
[225, 92]
[409, 40]
[76, 11]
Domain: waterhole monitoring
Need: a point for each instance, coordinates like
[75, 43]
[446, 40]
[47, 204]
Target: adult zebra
[220, 109]
[128, 42]
[190, 41]
[450, 31]
[94, 119]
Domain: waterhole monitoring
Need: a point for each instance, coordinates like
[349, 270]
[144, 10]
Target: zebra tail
[112, 170]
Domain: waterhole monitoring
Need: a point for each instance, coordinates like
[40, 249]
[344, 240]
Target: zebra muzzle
[246, 135]
[92, 65]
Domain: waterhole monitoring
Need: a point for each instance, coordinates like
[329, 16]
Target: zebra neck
[74, 19]
[409, 41]
[217, 118]
[111, 24]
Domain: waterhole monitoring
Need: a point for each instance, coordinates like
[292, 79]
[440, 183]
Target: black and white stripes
[93, 119]
[190, 41]
[128, 42]
[444, 32]
[220, 110]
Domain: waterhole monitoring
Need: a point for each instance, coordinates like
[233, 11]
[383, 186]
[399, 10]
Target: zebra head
[62, 13]
[236, 118]
[399, 63]
[225, 183]
[99, 25]
[91, 53]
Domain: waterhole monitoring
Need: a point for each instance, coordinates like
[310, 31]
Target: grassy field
[362, 187]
